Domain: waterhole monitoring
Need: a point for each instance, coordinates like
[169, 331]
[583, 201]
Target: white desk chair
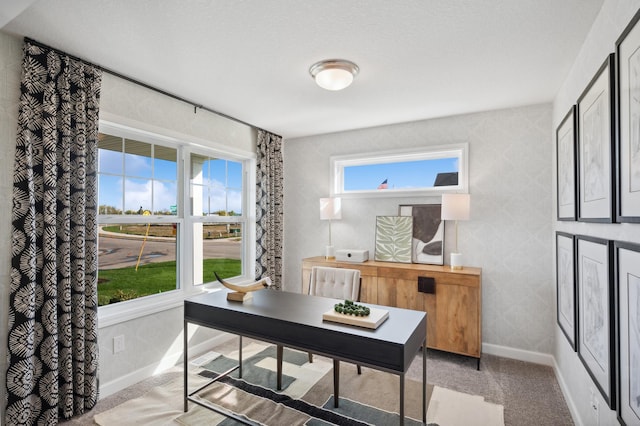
[337, 283]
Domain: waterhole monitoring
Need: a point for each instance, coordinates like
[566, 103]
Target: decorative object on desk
[628, 69]
[596, 147]
[240, 293]
[330, 209]
[350, 308]
[456, 207]
[372, 321]
[596, 313]
[393, 238]
[428, 232]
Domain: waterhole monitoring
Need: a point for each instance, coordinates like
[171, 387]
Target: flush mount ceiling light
[334, 74]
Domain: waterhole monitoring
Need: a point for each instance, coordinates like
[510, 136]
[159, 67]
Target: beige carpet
[312, 384]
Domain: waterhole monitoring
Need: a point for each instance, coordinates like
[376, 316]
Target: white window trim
[338, 163]
[110, 315]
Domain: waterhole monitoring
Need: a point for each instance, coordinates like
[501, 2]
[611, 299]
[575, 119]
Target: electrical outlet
[595, 405]
[118, 344]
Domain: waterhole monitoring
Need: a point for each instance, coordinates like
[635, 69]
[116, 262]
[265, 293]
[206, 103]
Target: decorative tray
[373, 320]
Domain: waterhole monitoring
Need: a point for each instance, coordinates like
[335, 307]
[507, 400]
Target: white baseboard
[575, 414]
[156, 368]
[519, 354]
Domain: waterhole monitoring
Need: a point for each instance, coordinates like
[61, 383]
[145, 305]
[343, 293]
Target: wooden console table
[451, 298]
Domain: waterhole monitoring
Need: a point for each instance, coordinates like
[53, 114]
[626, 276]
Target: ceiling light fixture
[334, 74]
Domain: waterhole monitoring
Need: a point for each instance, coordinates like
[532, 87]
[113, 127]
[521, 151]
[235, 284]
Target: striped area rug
[371, 398]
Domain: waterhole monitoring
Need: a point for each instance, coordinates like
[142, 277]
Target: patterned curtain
[269, 213]
[52, 345]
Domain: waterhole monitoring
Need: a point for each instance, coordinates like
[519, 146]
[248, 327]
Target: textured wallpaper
[10, 69]
[509, 234]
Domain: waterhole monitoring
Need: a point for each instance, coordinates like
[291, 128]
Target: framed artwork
[628, 68]
[427, 243]
[596, 313]
[566, 140]
[628, 279]
[595, 147]
[566, 286]
[393, 238]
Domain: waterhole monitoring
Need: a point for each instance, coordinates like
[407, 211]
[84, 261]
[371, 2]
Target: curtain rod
[145, 85]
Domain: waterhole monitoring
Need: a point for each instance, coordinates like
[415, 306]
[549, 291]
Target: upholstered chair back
[338, 283]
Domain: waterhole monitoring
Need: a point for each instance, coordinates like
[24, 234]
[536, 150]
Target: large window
[165, 224]
[426, 170]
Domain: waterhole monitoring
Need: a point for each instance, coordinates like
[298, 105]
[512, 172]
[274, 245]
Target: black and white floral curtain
[269, 209]
[52, 344]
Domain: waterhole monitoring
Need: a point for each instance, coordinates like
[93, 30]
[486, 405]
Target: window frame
[339, 162]
[112, 314]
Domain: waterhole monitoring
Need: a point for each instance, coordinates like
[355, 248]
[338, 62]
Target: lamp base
[456, 261]
[329, 253]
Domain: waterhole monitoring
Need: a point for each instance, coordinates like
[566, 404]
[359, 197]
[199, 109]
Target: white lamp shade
[456, 207]
[330, 208]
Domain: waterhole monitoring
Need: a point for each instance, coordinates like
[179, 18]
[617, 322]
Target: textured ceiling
[249, 59]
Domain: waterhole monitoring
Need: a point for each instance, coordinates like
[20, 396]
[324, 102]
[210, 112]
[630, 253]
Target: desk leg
[279, 354]
[424, 382]
[240, 358]
[336, 382]
[401, 399]
[185, 366]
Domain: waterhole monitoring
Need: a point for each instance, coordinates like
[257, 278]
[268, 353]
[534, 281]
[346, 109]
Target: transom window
[432, 170]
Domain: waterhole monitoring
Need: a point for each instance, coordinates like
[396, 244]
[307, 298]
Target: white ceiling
[249, 59]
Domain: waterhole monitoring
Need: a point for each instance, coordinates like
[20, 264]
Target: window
[395, 173]
[165, 224]
[216, 205]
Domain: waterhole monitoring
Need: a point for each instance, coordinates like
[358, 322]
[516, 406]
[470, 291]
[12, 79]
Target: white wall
[612, 19]
[10, 71]
[509, 233]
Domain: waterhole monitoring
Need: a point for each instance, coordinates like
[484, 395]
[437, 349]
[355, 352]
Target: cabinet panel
[457, 325]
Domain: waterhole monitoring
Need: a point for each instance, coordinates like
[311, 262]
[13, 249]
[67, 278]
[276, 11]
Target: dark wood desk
[295, 320]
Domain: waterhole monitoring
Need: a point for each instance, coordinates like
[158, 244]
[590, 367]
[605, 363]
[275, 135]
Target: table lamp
[455, 207]
[330, 209]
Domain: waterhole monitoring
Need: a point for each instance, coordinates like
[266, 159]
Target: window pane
[110, 194]
[165, 197]
[137, 196]
[137, 158]
[217, 247]
[110, 157]
[134, 262]
[216, 186]
[217, 200]
[399, 175]
[165, 165]
[234, 202]
[234, 175]
[218, 172]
